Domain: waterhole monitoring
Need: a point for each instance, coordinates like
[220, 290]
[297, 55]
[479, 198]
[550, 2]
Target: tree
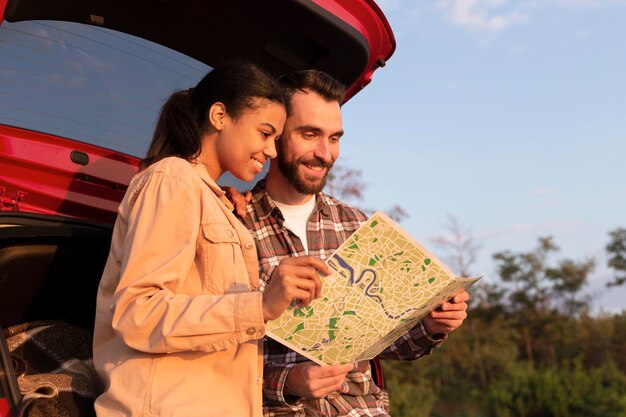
[617, 256]
[459, 245]
[347, 184]
[541, 294]
[539, 286]
[485, 344]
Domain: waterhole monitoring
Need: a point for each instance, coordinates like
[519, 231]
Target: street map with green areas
[383, 283]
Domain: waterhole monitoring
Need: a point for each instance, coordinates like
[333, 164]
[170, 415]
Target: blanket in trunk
[54, 369]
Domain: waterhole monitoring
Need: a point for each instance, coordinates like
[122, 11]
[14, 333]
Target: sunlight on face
[309, 145]
[248, 141]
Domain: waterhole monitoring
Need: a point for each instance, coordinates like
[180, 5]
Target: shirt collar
[264, 205]
[204, 175]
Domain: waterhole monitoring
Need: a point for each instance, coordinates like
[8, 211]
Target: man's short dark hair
[312, 80]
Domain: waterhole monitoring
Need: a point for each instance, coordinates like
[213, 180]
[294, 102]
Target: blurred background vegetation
[530, 346]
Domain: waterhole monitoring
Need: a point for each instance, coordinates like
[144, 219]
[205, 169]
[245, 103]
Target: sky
[509, 116]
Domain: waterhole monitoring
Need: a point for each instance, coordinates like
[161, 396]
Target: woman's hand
[293, 279]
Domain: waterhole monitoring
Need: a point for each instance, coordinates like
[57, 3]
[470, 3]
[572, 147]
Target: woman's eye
[265, 134]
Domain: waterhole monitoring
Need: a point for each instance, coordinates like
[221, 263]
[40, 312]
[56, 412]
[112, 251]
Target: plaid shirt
[330, 224]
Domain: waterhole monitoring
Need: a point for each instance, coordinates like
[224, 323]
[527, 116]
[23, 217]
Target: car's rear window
[87, 83]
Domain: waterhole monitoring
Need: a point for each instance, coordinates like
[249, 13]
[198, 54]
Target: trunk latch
[13, 204]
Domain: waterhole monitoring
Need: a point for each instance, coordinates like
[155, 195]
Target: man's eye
[308, 135]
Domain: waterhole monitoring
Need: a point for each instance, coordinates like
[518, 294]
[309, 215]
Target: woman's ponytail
[177, 132]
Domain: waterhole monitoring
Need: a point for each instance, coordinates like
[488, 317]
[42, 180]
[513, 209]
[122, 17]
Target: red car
[80, 87]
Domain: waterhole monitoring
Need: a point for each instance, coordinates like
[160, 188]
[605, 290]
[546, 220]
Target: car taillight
[5, 410]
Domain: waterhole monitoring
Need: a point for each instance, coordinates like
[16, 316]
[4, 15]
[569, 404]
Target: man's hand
[240, 201]
[309, 380]
[293, 279]
[448, 316]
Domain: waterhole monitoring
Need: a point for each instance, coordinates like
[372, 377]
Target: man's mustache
[317, 162]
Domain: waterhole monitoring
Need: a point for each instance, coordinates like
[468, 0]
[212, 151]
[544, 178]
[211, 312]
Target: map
[383, 283]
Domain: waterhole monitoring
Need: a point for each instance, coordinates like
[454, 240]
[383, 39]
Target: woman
[179, 313]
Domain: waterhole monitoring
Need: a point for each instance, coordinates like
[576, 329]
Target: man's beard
[301, 184]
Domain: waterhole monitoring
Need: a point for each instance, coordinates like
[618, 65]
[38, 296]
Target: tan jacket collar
[204, 175]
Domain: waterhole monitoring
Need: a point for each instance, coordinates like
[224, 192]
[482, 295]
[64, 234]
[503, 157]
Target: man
[290, 216]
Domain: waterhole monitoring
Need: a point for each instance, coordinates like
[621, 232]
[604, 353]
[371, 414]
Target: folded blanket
[54, 369]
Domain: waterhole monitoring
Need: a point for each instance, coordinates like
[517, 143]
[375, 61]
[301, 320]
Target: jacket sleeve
[412, 345]
[149, 311]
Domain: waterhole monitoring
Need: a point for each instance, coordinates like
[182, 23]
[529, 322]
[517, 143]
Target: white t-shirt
[296, 218]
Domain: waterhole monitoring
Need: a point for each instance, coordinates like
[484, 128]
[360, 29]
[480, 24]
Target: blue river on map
[364, 274]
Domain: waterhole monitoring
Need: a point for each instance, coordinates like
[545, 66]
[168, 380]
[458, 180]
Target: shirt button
[231, 233]
[249, 245]
[251, 331]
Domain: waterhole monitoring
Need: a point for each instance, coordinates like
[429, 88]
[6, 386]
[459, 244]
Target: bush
[568, 391]
[412, 393]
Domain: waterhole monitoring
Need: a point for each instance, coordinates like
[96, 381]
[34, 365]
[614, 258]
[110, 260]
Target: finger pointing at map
[294, 279]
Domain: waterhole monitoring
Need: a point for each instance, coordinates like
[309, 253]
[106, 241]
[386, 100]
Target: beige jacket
[179, 313]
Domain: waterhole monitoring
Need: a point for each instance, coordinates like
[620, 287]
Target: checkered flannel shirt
[330, 224]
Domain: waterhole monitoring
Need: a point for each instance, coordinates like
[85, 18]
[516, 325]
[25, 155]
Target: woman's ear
[217, 115]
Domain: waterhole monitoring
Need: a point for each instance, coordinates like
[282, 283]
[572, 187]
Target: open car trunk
[50, 268]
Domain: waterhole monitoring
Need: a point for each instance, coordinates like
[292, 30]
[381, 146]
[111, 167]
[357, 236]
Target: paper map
[384, 283]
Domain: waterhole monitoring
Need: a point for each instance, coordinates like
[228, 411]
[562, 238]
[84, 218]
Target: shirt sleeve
[412, 345]
[150, 312]
[274, 396]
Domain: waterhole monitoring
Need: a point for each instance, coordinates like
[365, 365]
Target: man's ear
[217, 115]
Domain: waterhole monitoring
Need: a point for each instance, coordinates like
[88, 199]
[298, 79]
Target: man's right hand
[309, 380]
[239, 200]
[293, 279]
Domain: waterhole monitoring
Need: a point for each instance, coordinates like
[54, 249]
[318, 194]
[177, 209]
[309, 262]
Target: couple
[180, 315]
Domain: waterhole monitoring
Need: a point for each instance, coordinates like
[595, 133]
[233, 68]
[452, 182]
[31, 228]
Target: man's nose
[322, 151]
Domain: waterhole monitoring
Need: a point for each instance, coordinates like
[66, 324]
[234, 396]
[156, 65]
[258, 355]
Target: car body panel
[47, 174]
[372, 23]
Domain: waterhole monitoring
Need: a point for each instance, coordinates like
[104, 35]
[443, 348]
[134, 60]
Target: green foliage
[540, 293]
[529, 348]
[569, 391]
[413, 392]
[617, 256]
[472, 357]
[537, 287]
